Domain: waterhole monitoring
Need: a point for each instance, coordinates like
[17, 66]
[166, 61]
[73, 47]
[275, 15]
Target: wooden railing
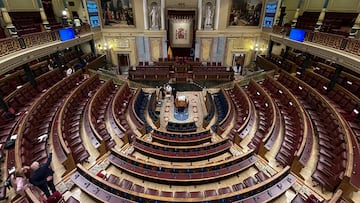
[11, 45]
[330, 40]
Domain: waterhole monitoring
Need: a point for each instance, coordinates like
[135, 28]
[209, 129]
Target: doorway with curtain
[123, 63]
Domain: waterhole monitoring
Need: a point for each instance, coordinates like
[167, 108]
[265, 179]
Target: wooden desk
[181, 103]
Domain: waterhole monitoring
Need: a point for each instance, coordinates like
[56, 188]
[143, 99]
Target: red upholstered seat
[3, 193]
[138, 188]
[180, 194]
[238, 186]
[126, 184]
[166, 194]
[261, 176]
[113, 179]
[150, 191]
[210, 193]
[224, 190]
[196, 194]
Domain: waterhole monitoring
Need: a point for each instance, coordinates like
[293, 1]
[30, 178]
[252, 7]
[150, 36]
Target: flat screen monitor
[297, 35]
[66, 34]
[94, 21]
[270, 11]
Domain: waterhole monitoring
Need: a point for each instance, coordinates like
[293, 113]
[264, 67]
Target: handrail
[346, 50]
[12, 45]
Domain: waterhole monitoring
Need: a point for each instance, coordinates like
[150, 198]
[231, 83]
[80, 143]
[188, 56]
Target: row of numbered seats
[173, 175]
[120, 105]
[245, 114]
[332, 157]
[99, 107]
[181, 138]
[71, 118]
[266, 113]
[36, 126]
[293, 118]
[182, 154]
[222, 109]
[117, 189]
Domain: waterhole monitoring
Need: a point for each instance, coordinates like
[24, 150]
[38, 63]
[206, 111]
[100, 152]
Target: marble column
[216, 26]
[319, 23]
[83, 15]
[162, 12]
[199, 14]
[296, 16]
[68, 18]
[355, 33]
[146, 13]
[43, 16]
[278, 11]
[7, 20]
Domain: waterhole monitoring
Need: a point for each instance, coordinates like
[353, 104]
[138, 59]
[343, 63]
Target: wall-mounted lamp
[257, 48]
[106, 49]
[64, 18]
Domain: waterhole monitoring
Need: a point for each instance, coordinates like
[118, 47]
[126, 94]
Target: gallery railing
[350, 45]
[11, 45]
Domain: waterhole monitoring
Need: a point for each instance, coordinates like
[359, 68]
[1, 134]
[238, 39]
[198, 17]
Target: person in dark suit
[42, 176]
[174, 93]
[162, 90]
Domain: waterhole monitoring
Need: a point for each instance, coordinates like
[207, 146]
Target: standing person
[19, 182]
[77, 25]
[42, 176]
[162, 91]
[174, 93]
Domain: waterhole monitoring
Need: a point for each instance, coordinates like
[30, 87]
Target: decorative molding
[206, 49]
[121, 43]
[156, 51]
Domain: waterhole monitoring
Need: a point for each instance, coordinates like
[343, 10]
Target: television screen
[268, 22]
[93, 13]
[297, 35]
[66, 34]
[270, 11]
[94, 21]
